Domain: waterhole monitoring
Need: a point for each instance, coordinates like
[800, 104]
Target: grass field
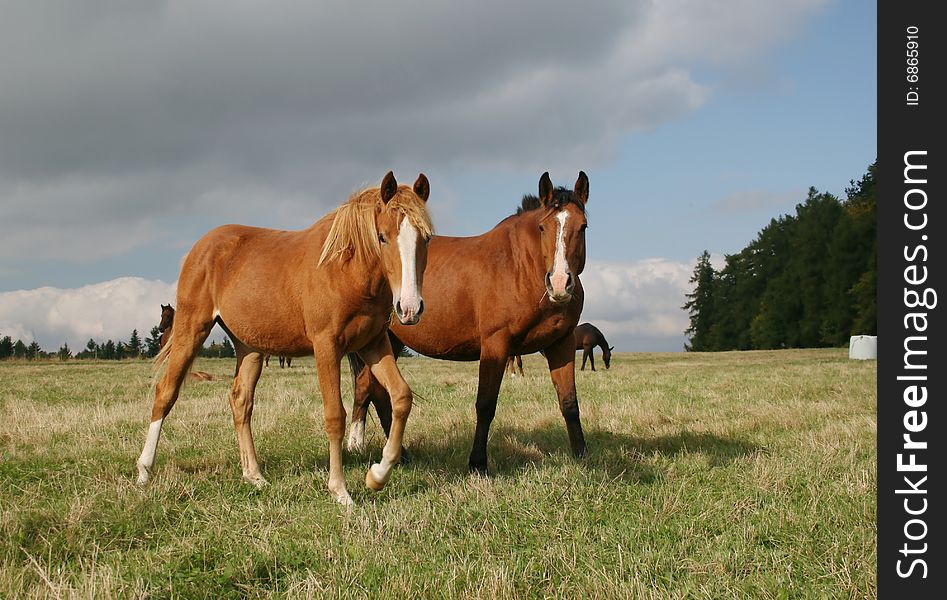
[727, 475]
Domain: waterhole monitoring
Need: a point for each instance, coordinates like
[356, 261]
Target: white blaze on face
[409, 294]
[560, 266]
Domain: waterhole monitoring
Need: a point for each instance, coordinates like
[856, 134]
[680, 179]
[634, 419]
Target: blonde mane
[353, 232]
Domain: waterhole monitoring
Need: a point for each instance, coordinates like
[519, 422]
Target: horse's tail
[161, 359]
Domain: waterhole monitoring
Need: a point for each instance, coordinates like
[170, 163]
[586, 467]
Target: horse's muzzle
[409, 315]
[564, 293]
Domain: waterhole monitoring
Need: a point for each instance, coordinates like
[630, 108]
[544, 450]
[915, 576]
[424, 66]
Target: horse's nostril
[570, 282]
[420, 306]
[398, 308]
[548, 280]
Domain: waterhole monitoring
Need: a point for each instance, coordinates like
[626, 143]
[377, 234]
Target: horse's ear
[422, 188]
[545, 189]
[612, 348]
[582, 187]
[389, 187]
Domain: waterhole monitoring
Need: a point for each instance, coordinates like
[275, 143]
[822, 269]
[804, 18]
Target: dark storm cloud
[117, 117]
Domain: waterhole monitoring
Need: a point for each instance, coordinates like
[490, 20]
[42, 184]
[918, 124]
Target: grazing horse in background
[328, 289]
[587, 336]
[283, 361]
[512, 290]
[515, 360]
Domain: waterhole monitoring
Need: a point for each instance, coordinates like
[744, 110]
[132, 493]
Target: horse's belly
[431, 341]
[271, 335]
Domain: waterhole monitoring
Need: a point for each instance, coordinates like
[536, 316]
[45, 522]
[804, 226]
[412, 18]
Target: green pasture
[724, 475]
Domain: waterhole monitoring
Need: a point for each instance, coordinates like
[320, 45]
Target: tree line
[134, 348]
[807, 280]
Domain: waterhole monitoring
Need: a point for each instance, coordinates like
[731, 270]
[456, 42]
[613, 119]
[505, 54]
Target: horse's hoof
[479, 469]
[375, 481]
[143, 475]
[259, 482]
[344, 499]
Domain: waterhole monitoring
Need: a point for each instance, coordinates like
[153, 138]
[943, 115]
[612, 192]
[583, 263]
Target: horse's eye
[584, 227]
[382, 238]
[541, 228]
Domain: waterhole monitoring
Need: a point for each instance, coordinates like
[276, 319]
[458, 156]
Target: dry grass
[709, 476]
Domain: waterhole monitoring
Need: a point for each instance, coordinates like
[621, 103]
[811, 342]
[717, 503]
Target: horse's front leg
[380, 359]
[328, 369]
[493, 355]
[561, 359]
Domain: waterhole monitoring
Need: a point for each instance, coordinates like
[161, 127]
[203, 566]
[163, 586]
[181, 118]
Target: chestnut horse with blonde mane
[328, 289]
[513, 290]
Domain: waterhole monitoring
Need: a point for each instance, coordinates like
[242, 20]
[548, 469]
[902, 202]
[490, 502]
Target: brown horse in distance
[328, 289]
[284, 361]
[512, 290]
[164, 325]
[514, 361]
[587, 337]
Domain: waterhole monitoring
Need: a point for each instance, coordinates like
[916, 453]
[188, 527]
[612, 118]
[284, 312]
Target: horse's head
[562, 234]
[404, 229]
[607, 356]
[167, 317]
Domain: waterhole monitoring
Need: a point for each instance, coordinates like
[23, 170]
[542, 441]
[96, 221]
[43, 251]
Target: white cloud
[101, 311]
[637, 305]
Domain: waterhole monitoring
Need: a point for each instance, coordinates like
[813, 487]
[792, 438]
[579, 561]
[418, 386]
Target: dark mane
[561, 196]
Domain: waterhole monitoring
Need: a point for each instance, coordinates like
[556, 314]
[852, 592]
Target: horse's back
[587, 334]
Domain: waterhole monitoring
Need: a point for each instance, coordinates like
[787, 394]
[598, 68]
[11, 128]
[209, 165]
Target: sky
[129, 128]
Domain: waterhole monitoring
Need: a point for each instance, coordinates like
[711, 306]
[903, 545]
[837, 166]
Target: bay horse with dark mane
[512, 290]
[164, 325]
[328, 289]
[587, 337]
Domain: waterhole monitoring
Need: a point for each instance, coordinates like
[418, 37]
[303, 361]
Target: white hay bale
[863, 347]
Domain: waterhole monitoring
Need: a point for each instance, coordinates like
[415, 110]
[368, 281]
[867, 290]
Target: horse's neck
[525, 241]
[366, 270]
[344, 267]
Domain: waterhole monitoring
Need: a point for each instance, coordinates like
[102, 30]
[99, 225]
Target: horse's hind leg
[249, 367]
[361, 396]
[189, 334]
